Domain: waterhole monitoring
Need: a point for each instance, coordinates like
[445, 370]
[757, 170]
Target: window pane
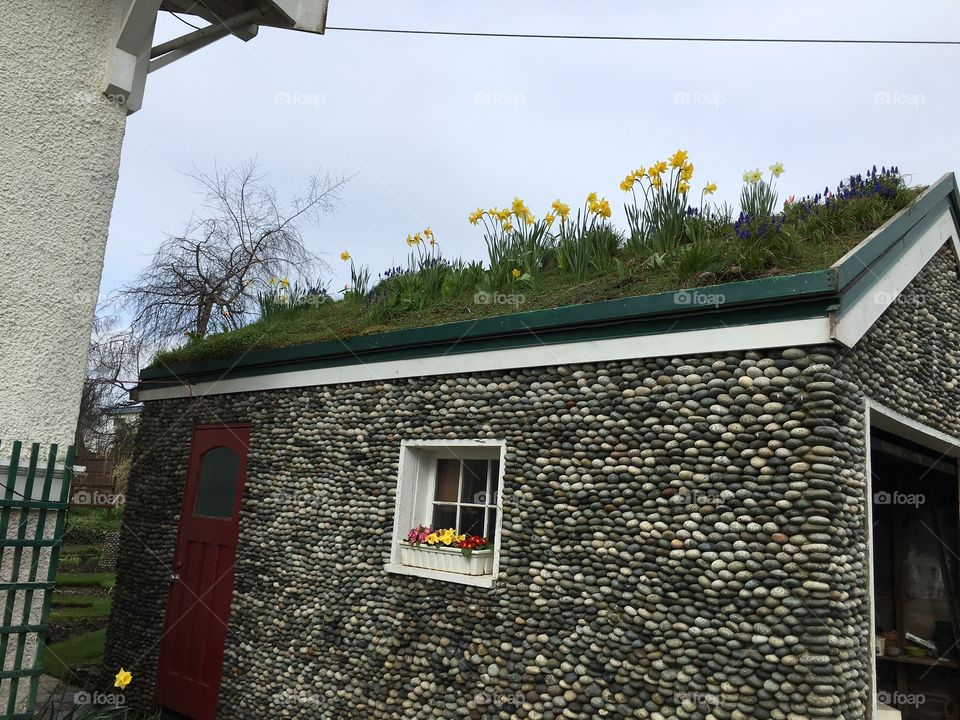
[491, 524]
[471, 520]
[444, 516]
[218, 483]
[448, 480]
[474, 489]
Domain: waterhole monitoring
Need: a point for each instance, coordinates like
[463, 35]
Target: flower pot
[446, 559]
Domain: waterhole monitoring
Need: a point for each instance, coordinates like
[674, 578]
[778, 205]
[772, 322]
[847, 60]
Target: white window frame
[416, 480]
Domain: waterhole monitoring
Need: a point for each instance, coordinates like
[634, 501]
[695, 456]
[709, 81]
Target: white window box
[444, 559]
[449, 484]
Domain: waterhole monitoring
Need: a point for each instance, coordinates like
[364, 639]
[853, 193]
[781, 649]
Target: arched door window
[217, 491]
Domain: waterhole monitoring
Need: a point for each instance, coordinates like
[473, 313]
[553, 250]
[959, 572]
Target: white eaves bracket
[134, 57]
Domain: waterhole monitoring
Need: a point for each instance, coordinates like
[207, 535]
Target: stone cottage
[703, 504]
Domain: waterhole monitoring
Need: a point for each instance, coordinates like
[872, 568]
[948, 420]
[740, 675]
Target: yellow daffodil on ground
[274, 279]
[656, 181]
[516, 273]
[710, 188]
[627, 184]
[592, 199]
[561, 209]
[777, 169]
[475, 216]
[284, 283]
[678, 159]
[550, 218]
[683, 187]
[344, 256]
[428, 233]
[603, 208]
[687, 172]
[504, 215]
[752, 176]
[507, 226]
[123, 678]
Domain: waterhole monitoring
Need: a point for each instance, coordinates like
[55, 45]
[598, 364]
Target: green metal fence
[34, 494]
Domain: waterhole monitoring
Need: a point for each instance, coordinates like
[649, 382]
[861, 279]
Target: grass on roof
[808, 234]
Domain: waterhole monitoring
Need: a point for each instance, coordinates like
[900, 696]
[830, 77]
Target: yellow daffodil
[123, 678]
[639, 173]
[504, 215]
[656, 181]
[752, 176]
[678, 159]
[605, 208]
[687, 172]
[284, 283]
[428, 233]
[777, 169]
[344, 256]
[519, 208]
[516, 273]
[274, 279]
[475, 216]
[433, 242]
[710, 188]
[529, 218]
[592, 198]
[561, 209]
[627, 183]
[683, 187]
[550, 218]
[507, 226]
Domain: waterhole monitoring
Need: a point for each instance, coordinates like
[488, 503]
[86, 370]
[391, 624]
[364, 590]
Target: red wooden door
[201, 583]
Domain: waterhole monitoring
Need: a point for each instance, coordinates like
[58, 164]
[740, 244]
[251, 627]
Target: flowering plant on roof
[447, 537]
[758, 197]
[657, 214]
[516, 240]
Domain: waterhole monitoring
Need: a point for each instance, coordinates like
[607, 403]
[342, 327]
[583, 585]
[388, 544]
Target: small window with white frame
[448, 510]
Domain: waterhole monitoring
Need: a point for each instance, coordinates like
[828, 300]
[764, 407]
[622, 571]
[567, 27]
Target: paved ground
[52, 692]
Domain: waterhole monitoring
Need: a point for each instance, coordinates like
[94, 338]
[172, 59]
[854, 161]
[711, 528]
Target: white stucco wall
[59, 157]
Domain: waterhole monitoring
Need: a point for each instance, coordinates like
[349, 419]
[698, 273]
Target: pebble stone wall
[682, 538]
[910, 359]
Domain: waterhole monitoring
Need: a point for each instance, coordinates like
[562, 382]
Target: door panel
[201, 582]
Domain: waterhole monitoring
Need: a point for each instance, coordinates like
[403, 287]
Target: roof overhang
[135, 57]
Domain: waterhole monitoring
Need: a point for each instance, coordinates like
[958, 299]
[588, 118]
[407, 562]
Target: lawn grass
[77, 607]
[809, 236]
[86, 649]
[104, 580]
[95, 518]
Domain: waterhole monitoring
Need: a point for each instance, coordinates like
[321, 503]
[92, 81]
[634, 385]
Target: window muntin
[465, 495]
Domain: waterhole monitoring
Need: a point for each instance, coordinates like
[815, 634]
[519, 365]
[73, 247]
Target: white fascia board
[791, 333]
[853, 322]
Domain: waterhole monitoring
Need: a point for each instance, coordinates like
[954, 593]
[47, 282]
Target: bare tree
[113, 358]
[208, 276]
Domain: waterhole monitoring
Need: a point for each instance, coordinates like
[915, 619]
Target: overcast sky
[432, 127]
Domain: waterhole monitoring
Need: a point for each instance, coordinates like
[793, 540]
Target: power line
[650, 38]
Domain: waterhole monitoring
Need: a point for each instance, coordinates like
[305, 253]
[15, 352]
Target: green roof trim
[788, 297]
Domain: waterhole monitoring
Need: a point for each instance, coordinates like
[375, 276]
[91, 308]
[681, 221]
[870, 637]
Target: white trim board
[885, 418]
[854, 321]
[791, 333]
